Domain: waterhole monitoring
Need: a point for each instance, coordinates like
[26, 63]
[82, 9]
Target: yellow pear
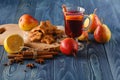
[95, 21]
[102, 34]
[27, 22]
[83, 36]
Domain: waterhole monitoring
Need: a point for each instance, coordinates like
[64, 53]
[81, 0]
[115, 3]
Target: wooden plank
[7, 11]
[43, 72]
[90, 65]
[71, 68]
[112, 48]
[16, 72]
[110, 13]
[113, 53]
[12, 72]
[98, 62]
[7, 14]
[93, 64]
[116, 7]
[6, 71]
[1, 52]
[25, 7]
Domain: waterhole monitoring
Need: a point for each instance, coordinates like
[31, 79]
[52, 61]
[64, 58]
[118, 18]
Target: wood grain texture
[112, 48]
[25, 7]
[97, 56]
[95, 62]
[1, 52]
[8, 9]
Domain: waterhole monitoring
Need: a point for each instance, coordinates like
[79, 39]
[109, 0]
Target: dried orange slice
[13, 43]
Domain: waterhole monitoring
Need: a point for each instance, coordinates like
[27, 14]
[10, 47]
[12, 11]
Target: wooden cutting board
[14, 29]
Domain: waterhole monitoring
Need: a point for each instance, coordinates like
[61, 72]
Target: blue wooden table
[96, 62]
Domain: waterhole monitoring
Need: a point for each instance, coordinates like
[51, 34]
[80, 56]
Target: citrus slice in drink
[13, 43]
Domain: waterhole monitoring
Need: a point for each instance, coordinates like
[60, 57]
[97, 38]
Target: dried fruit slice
[13, 43]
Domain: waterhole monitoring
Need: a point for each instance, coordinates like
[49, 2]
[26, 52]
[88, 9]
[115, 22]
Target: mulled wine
[74, 18]
[73, 23]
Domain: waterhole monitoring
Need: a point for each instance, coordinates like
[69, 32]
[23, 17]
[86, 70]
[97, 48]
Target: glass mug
[74, 18]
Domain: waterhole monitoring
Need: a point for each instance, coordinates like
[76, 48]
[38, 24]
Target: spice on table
[38, 56]
[6, 64]
[30, 65]
[11, 61]
[18, 59]
[39, 61]
[27, 55]
[25, 70]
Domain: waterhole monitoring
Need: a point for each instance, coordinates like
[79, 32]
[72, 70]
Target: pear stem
[95, 11]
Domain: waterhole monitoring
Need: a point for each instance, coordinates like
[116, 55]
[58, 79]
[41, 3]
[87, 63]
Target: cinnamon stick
[38, 53]
[47, 53]
[14, 55]
[64, 8]
[37, 57]
[30, 53]
[48, 56]
[45, 56]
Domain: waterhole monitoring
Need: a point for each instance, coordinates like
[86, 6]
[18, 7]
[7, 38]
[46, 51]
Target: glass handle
[90, 21]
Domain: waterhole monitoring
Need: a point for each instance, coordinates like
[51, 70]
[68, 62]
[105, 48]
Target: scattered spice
[11, 61]
[40, 61]
[21, 62]
[18, 60]
[25, 70]
[5, 64]
[30, 65]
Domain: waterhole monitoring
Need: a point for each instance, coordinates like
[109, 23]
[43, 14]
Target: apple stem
[95, 11]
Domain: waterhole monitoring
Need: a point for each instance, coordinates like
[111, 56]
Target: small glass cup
[73, 19]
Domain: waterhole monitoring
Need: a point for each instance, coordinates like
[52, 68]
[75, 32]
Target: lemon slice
[13, 43]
